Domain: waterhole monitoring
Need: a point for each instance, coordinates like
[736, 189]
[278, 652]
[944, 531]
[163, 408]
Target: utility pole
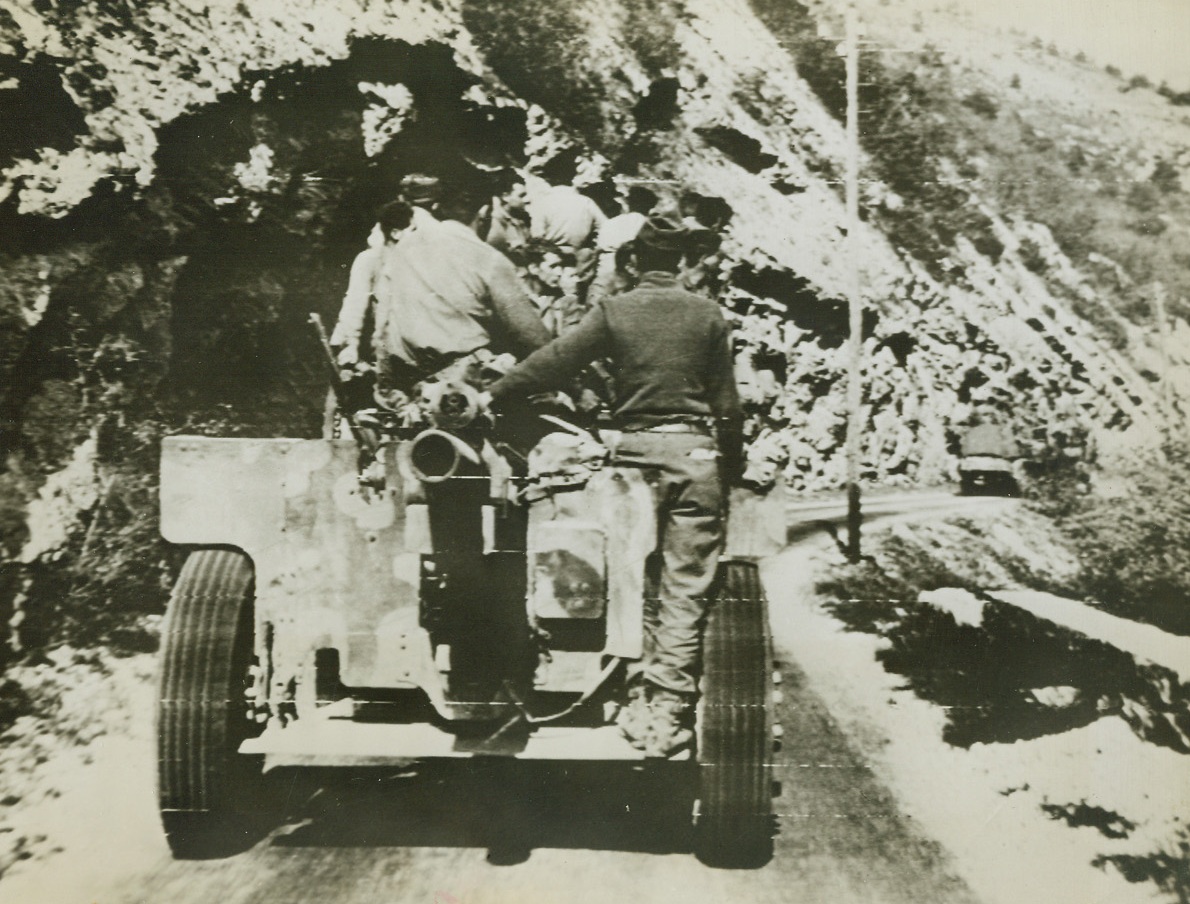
[854, 301]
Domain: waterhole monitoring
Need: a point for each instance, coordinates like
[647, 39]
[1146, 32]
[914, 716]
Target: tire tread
[734, 826]
[205, 650]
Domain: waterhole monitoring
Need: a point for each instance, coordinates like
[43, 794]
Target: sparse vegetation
[1032, 257]
[907, 133]
[649, 28]
[979, 102]
[1166, 176]
[538, 48]
[1132, 545]
[1177, 98]
[923, 120]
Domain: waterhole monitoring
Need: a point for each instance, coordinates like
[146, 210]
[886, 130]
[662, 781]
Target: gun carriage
[385, 598]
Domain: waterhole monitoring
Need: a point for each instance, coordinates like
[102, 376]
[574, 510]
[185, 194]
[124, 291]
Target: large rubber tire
[206, 789]
[733, 822]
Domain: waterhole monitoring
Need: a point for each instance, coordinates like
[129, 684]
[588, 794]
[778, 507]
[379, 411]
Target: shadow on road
[494, 803]
[801, 530]
[1011, 677]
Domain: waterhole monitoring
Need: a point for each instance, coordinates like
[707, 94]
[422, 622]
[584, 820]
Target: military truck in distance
[989, 461]
[340, 608]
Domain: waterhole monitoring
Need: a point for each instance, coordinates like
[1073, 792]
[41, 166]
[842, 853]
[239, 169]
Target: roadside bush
[14, 702]
[1143, 196]
[1031, 256]
[979, 102]
[1148, 226]
[1056, 485]
[1133, 547]
[1166, 177]
[898, 573]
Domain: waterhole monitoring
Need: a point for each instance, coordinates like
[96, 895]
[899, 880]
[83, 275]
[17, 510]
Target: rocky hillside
[182, 183]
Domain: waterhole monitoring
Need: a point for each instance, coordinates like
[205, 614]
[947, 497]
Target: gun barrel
[436, 455]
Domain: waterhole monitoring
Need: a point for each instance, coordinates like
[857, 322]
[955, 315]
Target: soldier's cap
[418, 188]
[668, 233]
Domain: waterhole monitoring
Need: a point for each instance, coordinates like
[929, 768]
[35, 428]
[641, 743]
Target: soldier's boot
[634, 719]
[671, 721]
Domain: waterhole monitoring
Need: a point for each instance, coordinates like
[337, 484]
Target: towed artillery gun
[352, 602]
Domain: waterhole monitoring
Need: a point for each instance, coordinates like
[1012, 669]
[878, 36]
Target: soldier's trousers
[683, 471]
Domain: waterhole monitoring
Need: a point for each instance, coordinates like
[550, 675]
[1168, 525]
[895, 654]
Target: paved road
[829, 514]
[598, 833]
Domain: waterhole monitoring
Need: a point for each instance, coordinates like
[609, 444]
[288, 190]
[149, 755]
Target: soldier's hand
[759, 476]
[502, 363]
